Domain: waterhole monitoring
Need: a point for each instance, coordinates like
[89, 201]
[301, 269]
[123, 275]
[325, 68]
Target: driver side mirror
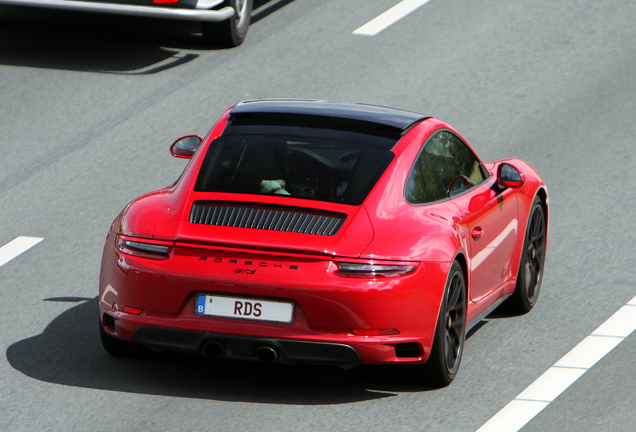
[510, 177]
[185, 146]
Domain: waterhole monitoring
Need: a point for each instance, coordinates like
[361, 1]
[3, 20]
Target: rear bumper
[246, 347]
[241, 339]
[200, 13]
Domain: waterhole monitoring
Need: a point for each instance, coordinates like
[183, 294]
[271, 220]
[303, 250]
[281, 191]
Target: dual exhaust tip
[214, 349]
[267, 354]
[264, 353]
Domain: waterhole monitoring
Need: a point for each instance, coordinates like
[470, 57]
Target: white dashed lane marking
[17, 246]
[390, 17]
[565, 372]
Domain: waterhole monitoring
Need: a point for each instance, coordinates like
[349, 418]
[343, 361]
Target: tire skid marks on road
[16, 247]
[564, 372]
[390, 17]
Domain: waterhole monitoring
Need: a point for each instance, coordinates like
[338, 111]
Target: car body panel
[494, 212]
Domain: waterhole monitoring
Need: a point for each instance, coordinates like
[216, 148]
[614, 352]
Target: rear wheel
[231, 32]
[448, 345]
[532, 262]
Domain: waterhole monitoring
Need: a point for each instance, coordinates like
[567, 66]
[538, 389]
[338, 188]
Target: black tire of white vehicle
[231, 32]
[532, 262]
[448, 345]
[121, 348]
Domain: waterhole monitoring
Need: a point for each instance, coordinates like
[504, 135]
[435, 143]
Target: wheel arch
[543, 195]
[461, 259]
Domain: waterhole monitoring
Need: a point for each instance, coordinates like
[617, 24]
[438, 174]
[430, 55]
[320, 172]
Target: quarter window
[444, 168]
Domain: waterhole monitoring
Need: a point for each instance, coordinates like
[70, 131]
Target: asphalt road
[89, 105]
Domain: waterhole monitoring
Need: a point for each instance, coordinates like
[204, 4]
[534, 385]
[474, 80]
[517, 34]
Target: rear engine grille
[273, 219]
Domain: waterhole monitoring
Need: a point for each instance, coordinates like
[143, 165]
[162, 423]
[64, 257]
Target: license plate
[253, 309]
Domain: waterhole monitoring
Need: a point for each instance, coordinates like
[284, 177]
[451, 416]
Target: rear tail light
[144, 248]
[371, 270]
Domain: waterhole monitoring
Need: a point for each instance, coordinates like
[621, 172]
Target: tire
[232, 32]
[448, 345]
[121, 348]
[532, 262]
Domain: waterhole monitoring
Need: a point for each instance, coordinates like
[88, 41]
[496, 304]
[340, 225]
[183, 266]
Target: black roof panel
[391, 117]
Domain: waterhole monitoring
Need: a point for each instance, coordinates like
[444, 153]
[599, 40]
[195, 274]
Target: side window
[445, 167]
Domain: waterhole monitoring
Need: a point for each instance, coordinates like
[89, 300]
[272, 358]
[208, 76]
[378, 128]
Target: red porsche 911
[307, 231]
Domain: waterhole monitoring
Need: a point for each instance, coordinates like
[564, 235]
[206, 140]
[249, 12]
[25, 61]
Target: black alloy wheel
[532, 262]
[448, 345]
[231, 32]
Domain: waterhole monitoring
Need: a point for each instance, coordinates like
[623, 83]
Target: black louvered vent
[274, 219]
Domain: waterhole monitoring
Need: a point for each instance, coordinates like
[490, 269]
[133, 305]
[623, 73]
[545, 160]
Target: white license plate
[254, 309]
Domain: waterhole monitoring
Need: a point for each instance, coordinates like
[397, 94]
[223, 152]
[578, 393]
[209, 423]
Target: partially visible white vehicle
[223, 22]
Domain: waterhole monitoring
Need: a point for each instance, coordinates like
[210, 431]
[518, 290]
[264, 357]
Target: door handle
[477, 233]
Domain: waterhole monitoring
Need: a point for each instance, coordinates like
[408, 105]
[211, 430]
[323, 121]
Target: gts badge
[246, 271]
[248, 263]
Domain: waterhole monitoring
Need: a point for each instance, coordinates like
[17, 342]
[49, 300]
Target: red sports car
[323, 232]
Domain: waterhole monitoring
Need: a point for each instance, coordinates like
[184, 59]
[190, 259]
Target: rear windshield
[308, 168]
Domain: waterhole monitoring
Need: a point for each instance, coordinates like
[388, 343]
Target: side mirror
[509, 176]
[185, 146]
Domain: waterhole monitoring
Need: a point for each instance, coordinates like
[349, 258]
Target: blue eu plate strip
[200, 304]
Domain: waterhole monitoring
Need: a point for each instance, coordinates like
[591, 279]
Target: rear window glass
[318, 169]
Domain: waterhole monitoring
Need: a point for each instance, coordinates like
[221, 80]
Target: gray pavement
[90, 104]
